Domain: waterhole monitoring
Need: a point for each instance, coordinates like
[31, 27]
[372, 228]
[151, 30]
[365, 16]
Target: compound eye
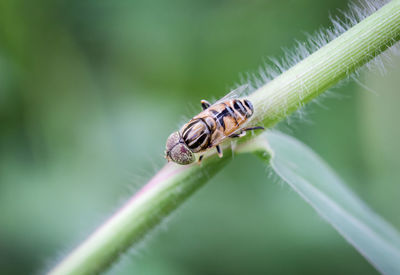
[181, 154]
[172, 140]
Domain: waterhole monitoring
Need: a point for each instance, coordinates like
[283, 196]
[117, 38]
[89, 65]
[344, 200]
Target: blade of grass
[318, 185]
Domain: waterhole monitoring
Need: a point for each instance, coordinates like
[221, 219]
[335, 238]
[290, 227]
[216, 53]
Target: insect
[209, 128]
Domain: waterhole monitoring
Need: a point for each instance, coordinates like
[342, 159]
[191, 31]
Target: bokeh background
[89, 92]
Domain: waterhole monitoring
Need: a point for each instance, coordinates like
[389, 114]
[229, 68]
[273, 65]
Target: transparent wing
[223, 138]
[240, 91]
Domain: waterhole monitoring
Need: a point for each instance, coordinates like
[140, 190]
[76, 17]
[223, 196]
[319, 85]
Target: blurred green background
[89, 92]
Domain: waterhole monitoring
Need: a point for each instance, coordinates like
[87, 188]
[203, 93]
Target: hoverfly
[209, 128]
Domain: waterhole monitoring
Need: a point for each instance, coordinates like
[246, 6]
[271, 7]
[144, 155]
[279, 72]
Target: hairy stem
[327, 66]
[147, 208]
[273, 102]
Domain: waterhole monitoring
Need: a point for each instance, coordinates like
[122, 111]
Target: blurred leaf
[316, 183]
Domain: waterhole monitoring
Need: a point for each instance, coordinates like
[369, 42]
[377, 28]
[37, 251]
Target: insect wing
[239, 92]
[221, 139]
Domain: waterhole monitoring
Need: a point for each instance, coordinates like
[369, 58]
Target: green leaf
[317, 184]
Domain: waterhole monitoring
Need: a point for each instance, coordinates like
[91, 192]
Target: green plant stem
[327, 66]
[147, 208]
[273, 102]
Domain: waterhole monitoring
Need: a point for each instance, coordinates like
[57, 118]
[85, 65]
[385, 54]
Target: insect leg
[205, 104]
[241, 134]
[219, 151]
[200, 159]
[254, 128]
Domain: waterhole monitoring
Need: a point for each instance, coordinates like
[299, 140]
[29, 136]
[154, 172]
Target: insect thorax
[197, 134]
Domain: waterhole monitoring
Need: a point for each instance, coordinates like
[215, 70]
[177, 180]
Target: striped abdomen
[214, 124]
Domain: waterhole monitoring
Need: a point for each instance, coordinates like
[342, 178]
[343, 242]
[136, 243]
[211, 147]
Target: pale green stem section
[272, 102]
[160, 196]
[327, 66]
